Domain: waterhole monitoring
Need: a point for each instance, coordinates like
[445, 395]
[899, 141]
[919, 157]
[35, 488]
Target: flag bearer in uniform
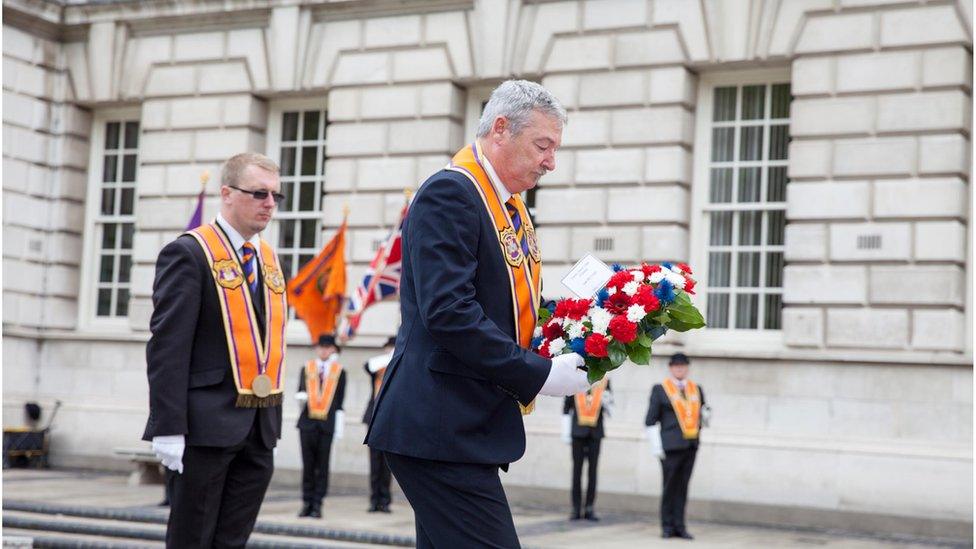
[321, 390]
[674, 419]
[583, 428]
[216, 359]
[379, 472]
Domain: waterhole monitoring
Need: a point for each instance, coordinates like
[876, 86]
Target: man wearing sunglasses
[216, 360]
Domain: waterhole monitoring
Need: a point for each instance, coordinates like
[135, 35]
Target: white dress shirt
[236, 240]
[503, 193]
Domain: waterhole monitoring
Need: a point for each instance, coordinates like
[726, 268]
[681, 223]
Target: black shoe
[316, 512]
[306, 510]
[575, 515]
[385, 508]
[373, 508]
[683, 534]
[590, 515]
[668, 534]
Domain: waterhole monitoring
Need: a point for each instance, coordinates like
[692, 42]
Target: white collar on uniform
[503, 193]
[679, 383]
[236, 240]
[327, 363]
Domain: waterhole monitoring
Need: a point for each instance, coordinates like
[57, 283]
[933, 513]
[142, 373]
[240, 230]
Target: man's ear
[499, 127]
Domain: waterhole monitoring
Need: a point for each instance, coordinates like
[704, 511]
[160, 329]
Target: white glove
[301, 396]
[654, 438]
[565, 377]
[567, 429]
[608, 402]
[706, 415]
[169, 450]
[340, 424]
[274, 452]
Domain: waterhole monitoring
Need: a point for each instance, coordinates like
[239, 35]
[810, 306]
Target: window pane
[289, 126]
[303, 259]
[724, 104]
[781, 101]
[322, 165]
[750, 228]
[750, 143]
[122, 303]
[774, 312]
[112, 135]
[723, 141]
[105, 268]
[753, 102]
[108, 236]
[129, 168]
[721, 185]
[775, 227]
[308, 160]
[306, 199]
[131, 135]
[110, 166]
[127, 201]
[310, 132]
[104, 302]
[721, 229]
[287, 161]
[779, 140]
[718, 311]
[749, 183]
[719, 269]
[287, 189]
[287, 262]
[127, 230]
[774, 270]
[748, 270]
[125, 267]
[108, 201]
[309, 232]
[287, 231]
[747, 311]
[776, 186]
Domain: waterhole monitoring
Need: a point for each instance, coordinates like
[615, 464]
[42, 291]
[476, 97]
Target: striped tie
[247, 261]
[517, 225]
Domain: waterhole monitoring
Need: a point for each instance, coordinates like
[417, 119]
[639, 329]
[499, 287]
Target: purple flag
[197, 219]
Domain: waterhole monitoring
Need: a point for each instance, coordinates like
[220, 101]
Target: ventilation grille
[869, 242]
[603, 244]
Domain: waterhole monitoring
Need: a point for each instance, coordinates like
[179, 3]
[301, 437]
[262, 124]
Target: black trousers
[585, 449]
[316, 447]
[676, 468]
[216, 500]
[455, 504]
[379, 479]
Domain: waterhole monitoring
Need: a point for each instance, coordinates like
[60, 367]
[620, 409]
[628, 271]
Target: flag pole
[204, 178]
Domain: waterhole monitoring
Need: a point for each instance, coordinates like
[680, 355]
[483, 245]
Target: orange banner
[317, 291]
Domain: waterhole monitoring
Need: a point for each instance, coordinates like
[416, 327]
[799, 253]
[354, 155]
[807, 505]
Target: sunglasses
[261, 195]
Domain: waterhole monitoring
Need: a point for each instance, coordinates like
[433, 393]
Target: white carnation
[656, 277]
[676, 269]
[676, 280]
[638, 276]
[611, 291]
[630, 288]
[600, 319]
[556, 346]
[636, 313]
[537, 332]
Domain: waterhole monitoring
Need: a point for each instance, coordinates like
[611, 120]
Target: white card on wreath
[587, 277]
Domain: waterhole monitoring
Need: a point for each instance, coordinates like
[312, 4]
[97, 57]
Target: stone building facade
[811, 158]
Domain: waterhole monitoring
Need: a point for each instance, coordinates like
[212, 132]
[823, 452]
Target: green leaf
[617, 354]
[544, 316]
[644, 340]
[684, 315]
[661, 317]
[639, 354]
[595, 374]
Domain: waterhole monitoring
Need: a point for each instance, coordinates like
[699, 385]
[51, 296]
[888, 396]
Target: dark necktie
[247, 261]
[517, 225]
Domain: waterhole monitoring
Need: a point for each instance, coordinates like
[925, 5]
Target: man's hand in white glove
[169, 450]
[565, 377]
[654, 439]
[706, 415]
[567, 429]
[301, 396]
[340, 424]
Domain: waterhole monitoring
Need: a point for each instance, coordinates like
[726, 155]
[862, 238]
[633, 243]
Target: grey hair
[515, 100]
[233, 169]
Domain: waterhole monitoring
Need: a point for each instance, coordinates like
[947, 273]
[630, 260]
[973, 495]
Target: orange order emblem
[227, 273]
[273, 278]
[510, 246]
[533, 242]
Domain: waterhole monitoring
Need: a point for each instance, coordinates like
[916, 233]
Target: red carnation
[596, 345]
[553, 330]
[619, 279]
[543, 350]
[650, 269]
[645, 298]
[690, 285]
[562, 308]
[622, 329]
[617, 303]
[577, 308]
[685, 268]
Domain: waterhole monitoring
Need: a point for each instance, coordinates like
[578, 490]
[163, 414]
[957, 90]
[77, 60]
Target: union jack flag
[381, 282]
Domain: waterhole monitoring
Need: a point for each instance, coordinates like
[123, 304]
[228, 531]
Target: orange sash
[378, 381]
[588, 404]
[250, 356]
[524, 273]
[687, 408]
[320, 397]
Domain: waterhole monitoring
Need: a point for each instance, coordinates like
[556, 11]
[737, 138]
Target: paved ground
[347, 511]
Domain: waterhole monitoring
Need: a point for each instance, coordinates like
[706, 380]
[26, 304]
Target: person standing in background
[379, 472]
[583, 428]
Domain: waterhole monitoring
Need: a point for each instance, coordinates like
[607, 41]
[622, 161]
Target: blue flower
[536, 341]
[665, 292]
[667, 265]
[578, 346]
[617, 267]
[601, 297]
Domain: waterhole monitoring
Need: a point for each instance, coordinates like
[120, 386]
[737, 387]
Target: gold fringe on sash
[251, 401]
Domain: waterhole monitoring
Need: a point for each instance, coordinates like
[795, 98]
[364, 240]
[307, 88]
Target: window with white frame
[114, 217]
[301, 154]
[745, 206]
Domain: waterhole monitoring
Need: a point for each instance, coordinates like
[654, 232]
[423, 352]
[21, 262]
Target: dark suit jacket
[191, 387]
[452, 389]
[582, 431]
[326, 425]
[660, 410]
